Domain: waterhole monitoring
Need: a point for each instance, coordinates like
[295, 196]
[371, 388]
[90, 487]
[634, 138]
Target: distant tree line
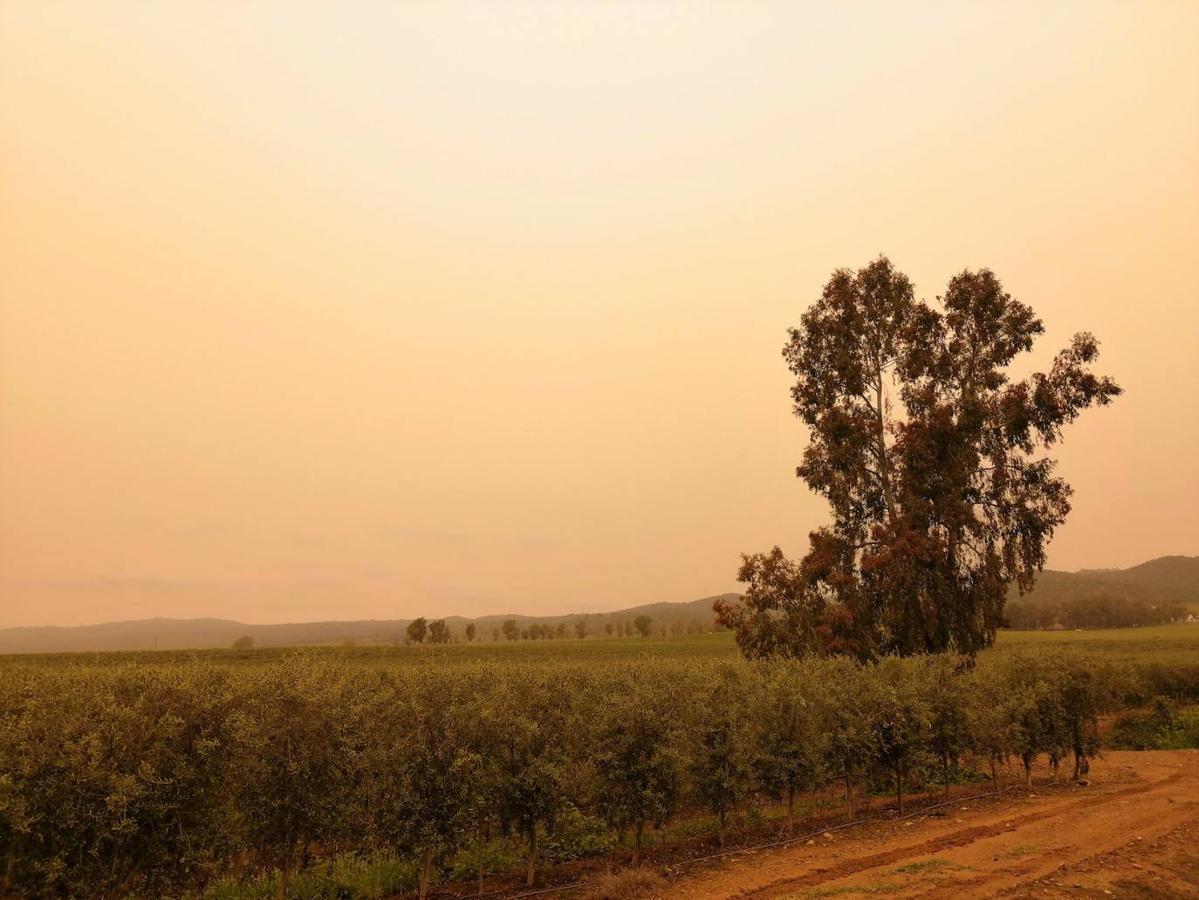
[437, 631]
[1098, 611]
[134, 780]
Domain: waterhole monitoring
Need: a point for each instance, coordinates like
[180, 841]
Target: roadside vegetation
[1165, 725]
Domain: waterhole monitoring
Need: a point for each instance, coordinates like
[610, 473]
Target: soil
[1132, 832]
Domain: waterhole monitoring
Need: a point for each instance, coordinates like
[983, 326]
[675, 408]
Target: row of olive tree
[133, 780]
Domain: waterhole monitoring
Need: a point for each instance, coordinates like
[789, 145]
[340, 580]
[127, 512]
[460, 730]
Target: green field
[1157, 643]
[1162, 644]
[566, 650]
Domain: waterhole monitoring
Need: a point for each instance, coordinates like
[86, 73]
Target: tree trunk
[532, 870]
[637, 832]
[899, 787]
[1054, 762]
[720, 828]
[1027, 760]
[945, 770]
[884, 466]
[281, 884]
[994, 776]
[484, 839]
[791, 812]
[849, 795]
[426, 864]
[1077, 763]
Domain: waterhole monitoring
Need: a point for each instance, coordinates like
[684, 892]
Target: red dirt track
[1134, 832]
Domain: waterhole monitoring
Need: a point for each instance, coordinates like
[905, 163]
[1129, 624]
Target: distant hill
[1167, 579]
[200, 634]
[1172, 579]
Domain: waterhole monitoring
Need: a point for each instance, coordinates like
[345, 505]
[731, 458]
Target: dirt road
[1134, 832]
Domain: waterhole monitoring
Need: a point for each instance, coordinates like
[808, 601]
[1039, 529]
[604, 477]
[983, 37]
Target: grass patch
[626, 884]
[371, 876]
[850, 890]
[927, 865]
[1158, 643]
[1165, 726]
[1020, 850]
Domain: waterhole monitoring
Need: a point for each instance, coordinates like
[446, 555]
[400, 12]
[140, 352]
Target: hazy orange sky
[379, 309]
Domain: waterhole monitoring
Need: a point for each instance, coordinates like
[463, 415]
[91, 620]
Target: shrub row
[138, 781]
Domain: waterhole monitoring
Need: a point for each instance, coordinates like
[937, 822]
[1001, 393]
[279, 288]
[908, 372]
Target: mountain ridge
[201, 633]
[1165, 578]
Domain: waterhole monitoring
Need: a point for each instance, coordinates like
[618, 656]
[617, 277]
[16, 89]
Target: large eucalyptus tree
[933, 460]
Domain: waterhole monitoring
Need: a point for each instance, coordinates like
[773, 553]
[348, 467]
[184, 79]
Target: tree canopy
[932, 458]
[417, 629]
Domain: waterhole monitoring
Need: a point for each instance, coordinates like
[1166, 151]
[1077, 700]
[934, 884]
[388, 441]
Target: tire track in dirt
[1143, 793]
[1052, 861]
[954, 839]
[1011, 873]
[1165, 867]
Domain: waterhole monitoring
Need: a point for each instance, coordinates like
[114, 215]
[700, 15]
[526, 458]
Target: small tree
[901, 721]
[417, 629]
[245, 642]
[421, 778]
[1033, 707]
[792, 733]
[725, 753]
[638, 761]
[510, 629]
[643, 624]
[471, 631]
[581, 628]
[520, 730]
[1088, 690]
[848, 697]
[439, 632]
[291, 771]
[950, 724]
[992, 719]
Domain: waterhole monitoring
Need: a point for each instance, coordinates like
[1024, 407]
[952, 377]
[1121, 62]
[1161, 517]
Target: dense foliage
[932, 459]
[132, 780]
[1165, 726]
